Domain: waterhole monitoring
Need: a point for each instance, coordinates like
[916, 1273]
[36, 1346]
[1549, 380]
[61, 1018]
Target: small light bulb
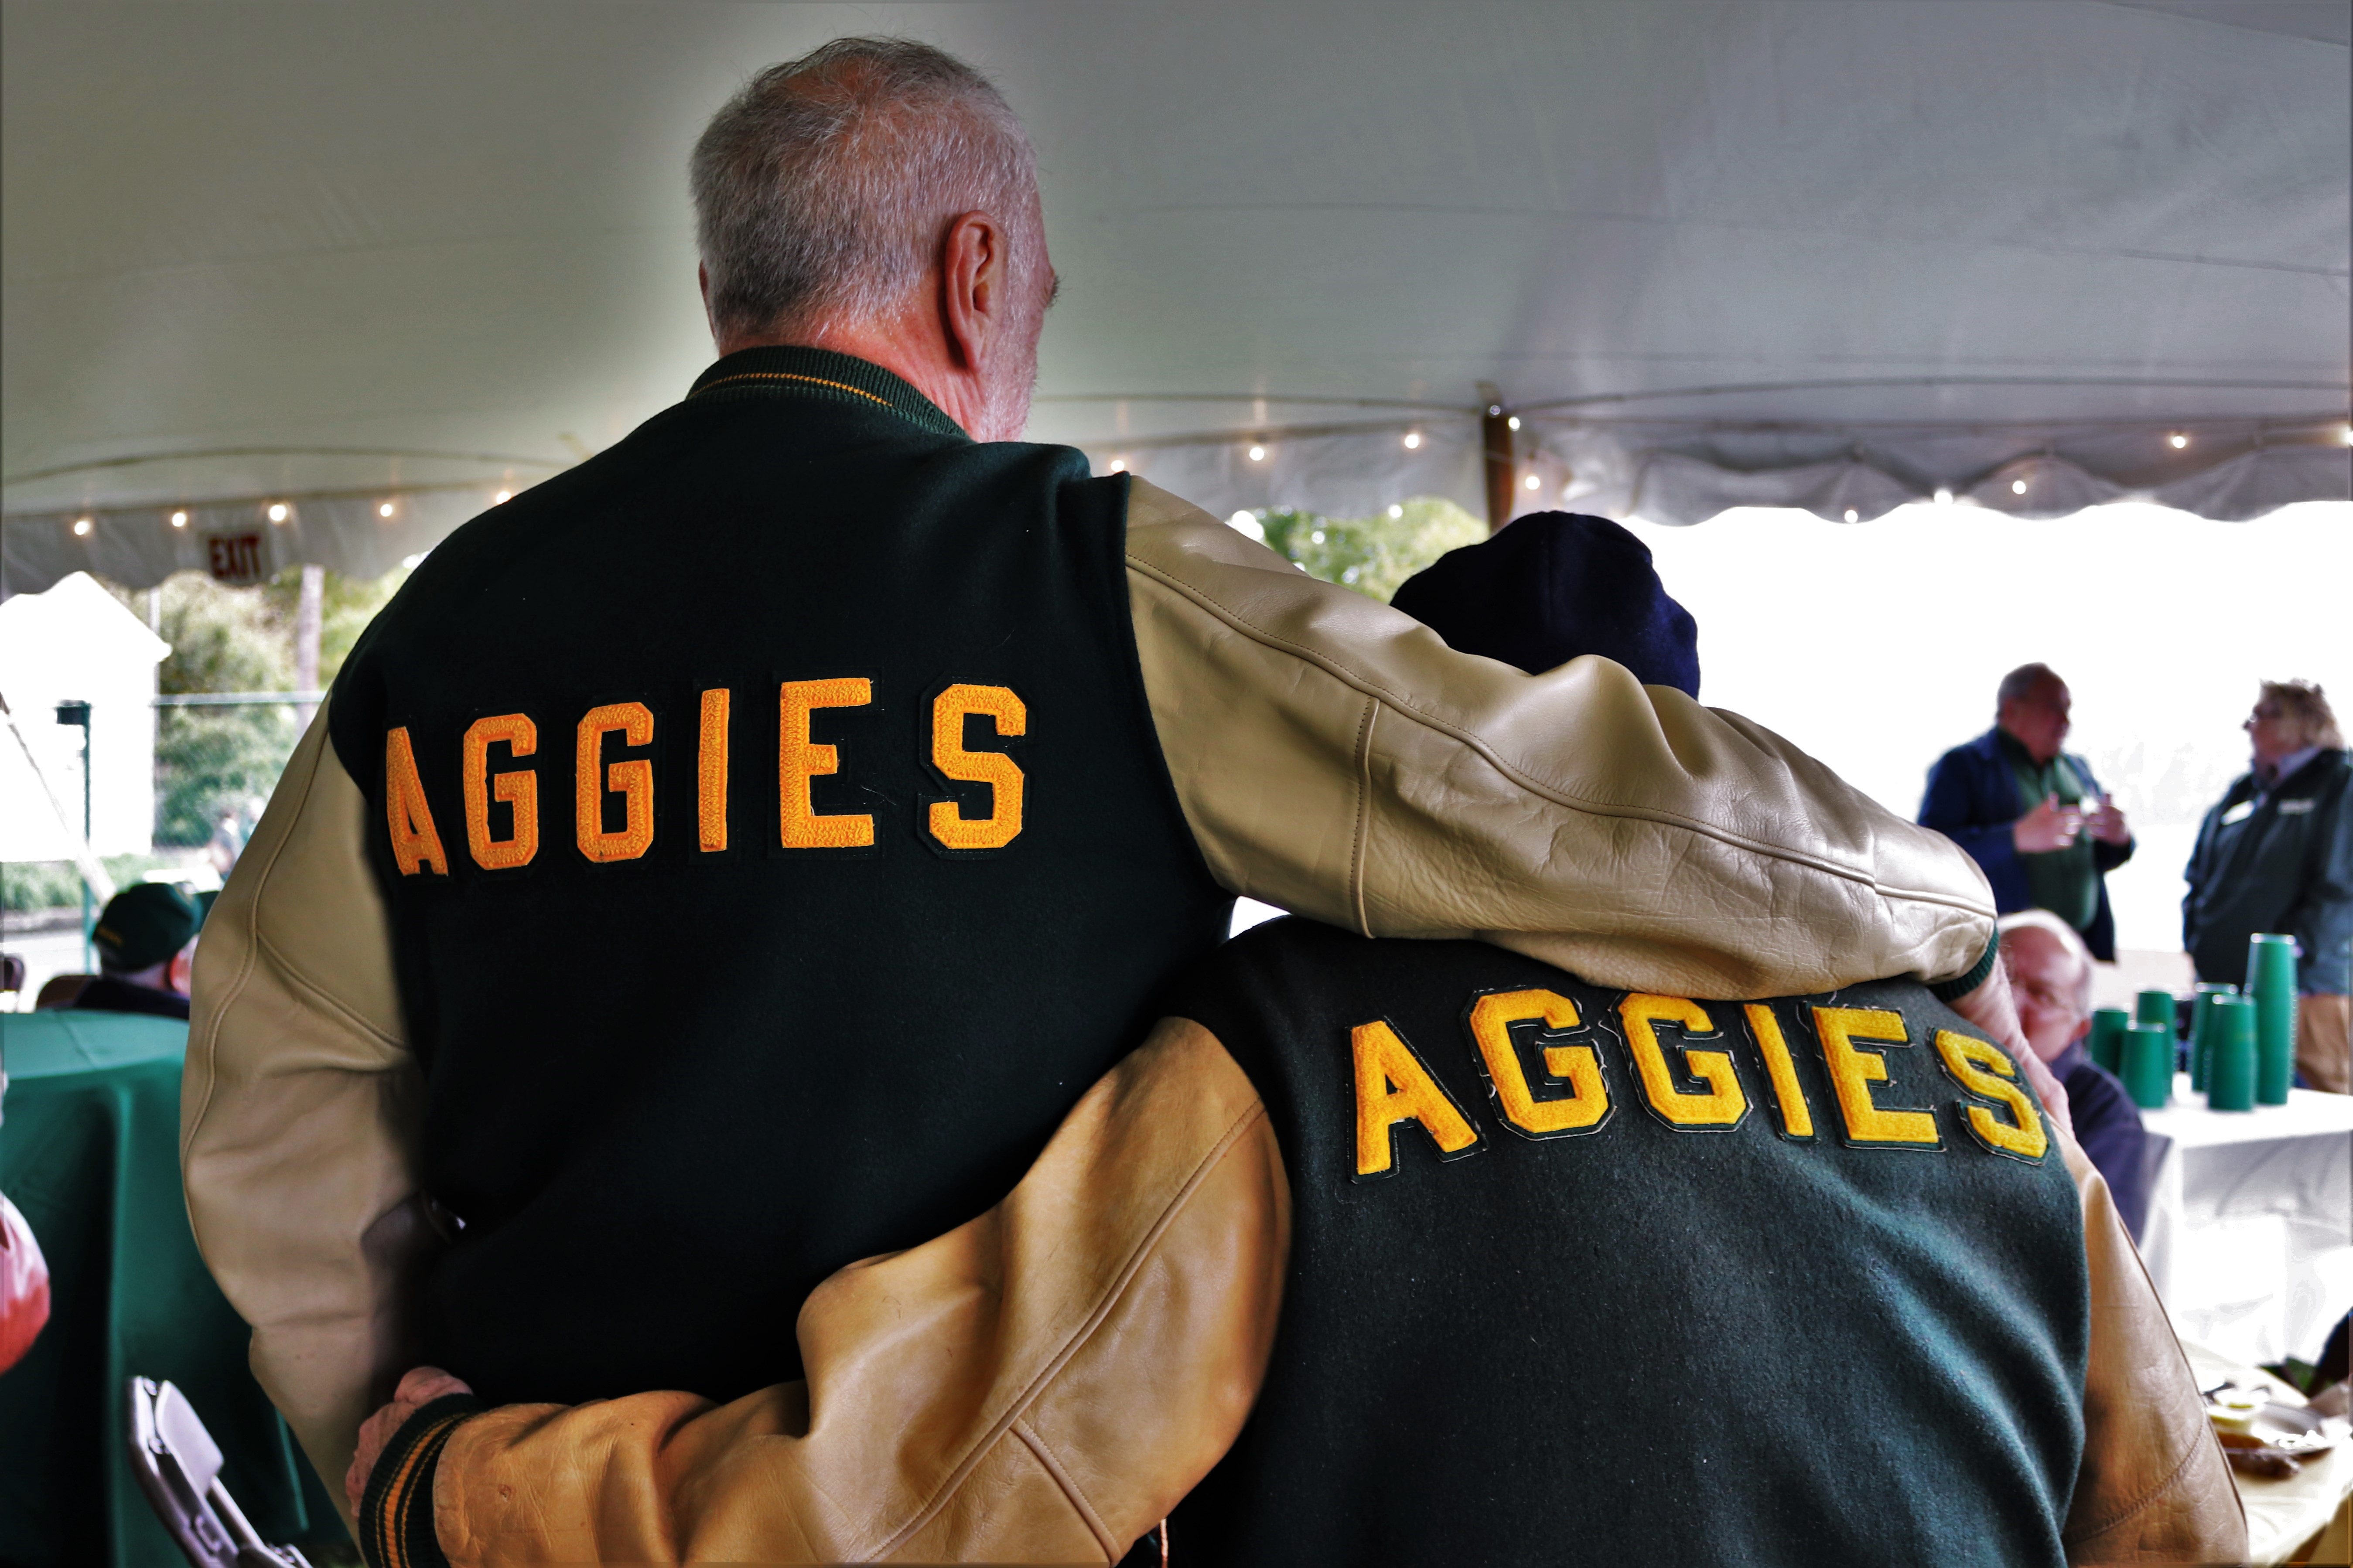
[1944, 497]
[1494, 409]
[277, 511]
[2176, 440]
[1412, 440]
[1258, 454]
[502, 497]
[1535, 483]
[1245, 523]
[1396, 511]
[2017, 487]
[1119, 465]
[384, 510]
[179, 520]
[2349, 435]
[81, 527]
[1512, 423]
[1851, 516]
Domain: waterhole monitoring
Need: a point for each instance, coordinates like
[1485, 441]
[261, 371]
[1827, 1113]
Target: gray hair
[2019, 683]
[821, 188]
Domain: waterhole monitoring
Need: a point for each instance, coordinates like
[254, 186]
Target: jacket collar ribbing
[828, 376]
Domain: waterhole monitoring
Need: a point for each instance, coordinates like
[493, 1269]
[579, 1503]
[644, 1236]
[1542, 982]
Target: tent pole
[1495, 432]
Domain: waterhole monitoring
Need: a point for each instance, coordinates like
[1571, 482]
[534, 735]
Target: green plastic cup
[2271, 981]
[2199, 1013]
[2148, 1065]
[2107, 1043]
[2155, 1007]
[2230, 1053]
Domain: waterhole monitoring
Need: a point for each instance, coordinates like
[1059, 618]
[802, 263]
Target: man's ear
[973, 277]
[181, 969]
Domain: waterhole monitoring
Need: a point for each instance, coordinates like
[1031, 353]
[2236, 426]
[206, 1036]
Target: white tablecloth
[2250, 1231]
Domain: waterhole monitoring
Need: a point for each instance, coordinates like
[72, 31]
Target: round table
[90, 1135]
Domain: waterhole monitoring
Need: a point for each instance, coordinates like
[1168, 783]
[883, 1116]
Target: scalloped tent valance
[1837, 255]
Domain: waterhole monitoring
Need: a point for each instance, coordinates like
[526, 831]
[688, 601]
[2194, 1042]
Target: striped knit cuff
[397, 1516]
[1961, 985]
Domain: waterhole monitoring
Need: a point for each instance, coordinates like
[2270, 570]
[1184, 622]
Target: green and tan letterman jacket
[747, 845]
[1500, 1267]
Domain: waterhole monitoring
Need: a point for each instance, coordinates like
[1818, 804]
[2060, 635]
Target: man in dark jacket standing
[2275, 854]
[2033, 817]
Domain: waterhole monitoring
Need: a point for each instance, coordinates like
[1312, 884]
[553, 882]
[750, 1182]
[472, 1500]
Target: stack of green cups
[2157, 1007]
[2107, 1043]
[2230, 1053]
[2271, 981]
[2148, 1065]
[2199, 1014]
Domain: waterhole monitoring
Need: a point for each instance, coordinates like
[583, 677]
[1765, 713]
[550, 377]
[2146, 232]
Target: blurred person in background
[2051, 974]
[146, 940]
[2275, 854]
[2031, 816]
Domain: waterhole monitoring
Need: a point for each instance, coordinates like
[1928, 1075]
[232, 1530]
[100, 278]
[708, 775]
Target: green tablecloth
[90, 1151]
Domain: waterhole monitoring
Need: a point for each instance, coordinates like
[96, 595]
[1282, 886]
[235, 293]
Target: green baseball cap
[143, 925]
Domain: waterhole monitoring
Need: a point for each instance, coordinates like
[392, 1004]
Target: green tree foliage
[215, 761]
[212, 763]
[347, 605]
[1371, 554]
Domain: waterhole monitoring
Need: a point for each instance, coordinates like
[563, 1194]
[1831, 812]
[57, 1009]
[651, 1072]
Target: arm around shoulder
[298, 1108]
[1335, 758]
[1041, 1385]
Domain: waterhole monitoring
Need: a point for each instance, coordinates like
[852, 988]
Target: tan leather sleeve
[1337, 759]
[297, 1111]
[2154, 1485]
[1040, 1386]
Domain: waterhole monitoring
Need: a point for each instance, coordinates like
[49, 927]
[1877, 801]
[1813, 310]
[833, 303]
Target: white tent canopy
[375, 263]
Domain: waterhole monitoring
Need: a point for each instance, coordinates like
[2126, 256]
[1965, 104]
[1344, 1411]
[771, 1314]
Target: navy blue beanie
[1554, 585]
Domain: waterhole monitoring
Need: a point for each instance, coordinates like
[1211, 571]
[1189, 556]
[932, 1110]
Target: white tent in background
[75, 642]
[374, 264]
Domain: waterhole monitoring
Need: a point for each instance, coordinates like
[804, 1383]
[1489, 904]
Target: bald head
[2034, 706]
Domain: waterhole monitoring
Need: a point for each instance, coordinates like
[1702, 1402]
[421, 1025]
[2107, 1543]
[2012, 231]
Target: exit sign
[236, 559]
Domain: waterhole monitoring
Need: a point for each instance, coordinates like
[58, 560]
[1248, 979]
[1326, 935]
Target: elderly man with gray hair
[2051, 974]
[904, 765]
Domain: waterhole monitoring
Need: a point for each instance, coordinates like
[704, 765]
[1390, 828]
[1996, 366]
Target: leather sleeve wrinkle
[1522, 775]
[1625, 833]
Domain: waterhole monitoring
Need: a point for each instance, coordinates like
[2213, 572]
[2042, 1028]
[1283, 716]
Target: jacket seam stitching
[293, 974]
[1077, 1498]
[1357, 855]
[1527, 781]
[252, 921]
[2138, 1509]
[1101, 1309]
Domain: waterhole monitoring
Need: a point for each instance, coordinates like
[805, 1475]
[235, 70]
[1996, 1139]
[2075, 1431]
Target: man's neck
[2010, 735]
